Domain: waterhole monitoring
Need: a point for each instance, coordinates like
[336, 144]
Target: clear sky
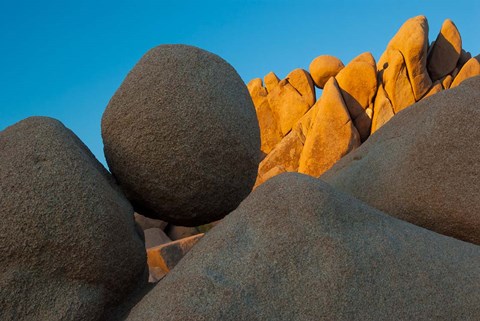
[65, 59]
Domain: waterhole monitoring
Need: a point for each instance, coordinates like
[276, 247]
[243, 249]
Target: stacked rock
[363, 96]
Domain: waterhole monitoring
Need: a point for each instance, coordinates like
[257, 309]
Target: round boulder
[323, 67]
[181, 136]
[70, 249]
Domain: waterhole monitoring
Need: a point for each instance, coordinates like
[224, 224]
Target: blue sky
[65, 59]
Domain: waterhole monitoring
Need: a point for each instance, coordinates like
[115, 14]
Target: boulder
[287, 104]
[412, 41]
[422, 166]
[395, 79]
[447, 81]
[323, 67]
[302, 81]
[446, 51]
[271, 81]
[436, 88]
[470, 69]
[358, 83]
[332, 134]
[382, 109]
[464, 57]
[365, 57]
[70, 248]
[181, 136]
[296, 249]
[270, 134]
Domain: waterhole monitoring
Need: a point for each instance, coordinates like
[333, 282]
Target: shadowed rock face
[296, 249]
[422, 166]
[68, 243]
[181, 136]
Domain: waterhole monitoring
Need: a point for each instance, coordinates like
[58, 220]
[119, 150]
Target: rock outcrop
[70, 249]
[422, 165]
[317, 254]
[182, 164]
[408, 71]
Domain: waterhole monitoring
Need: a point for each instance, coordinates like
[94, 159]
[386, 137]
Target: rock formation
[181, 136]
[408, 71]
[68, 243]
[296, 249]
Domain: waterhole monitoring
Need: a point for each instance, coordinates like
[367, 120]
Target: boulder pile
[385, 225]
[305, 136]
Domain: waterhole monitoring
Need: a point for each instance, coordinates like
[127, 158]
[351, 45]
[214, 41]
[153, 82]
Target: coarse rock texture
[323, 68]
[287, 104]
[382, 109]
[412, 41]
[422, 166]
[70, 248]
[155, 237]
[271, 81]
[270, 134]
[358, 83]
[146, 223]
[181, 136]
[365, 57]
[333, 134]
[446, 51]
[470, 69]
[315, 253]
[302, 81]
[393, 71]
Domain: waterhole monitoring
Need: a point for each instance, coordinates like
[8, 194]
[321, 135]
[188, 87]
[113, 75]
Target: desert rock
[317, 254]
[323, 67]
[302, 81]
[422, 166]
[445, 52]
[70, 249]
[470, 69]
[181, 136]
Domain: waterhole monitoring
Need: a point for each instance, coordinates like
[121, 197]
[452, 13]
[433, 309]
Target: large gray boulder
[68, 243]
[423, 166]
[296, 249]
[181, 136]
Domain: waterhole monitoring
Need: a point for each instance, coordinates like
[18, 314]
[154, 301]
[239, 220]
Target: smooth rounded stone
[358, 83]
[70, 249]
[296, 249]
[271, 80]
[422, 165]
[332, 134]
[155, 237]
[302, 81]
[382, 109]
[270, 134]
[395, 79]
[412, 41]
[446, 51]
[287, 105]
[470, 69]
[323, 68]
[181, 136]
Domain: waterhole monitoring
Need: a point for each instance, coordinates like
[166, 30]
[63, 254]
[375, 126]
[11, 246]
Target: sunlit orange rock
[287, 105]
[382, 109]
[365, 57]
[270, 133]
[358, 84]
[323, 67]
[470, 69]
[271, 80]
[446, 81]
[395, 79]
[332, 134]
[446, 51]
[302, 81]
[412, 41]
[161, 259]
